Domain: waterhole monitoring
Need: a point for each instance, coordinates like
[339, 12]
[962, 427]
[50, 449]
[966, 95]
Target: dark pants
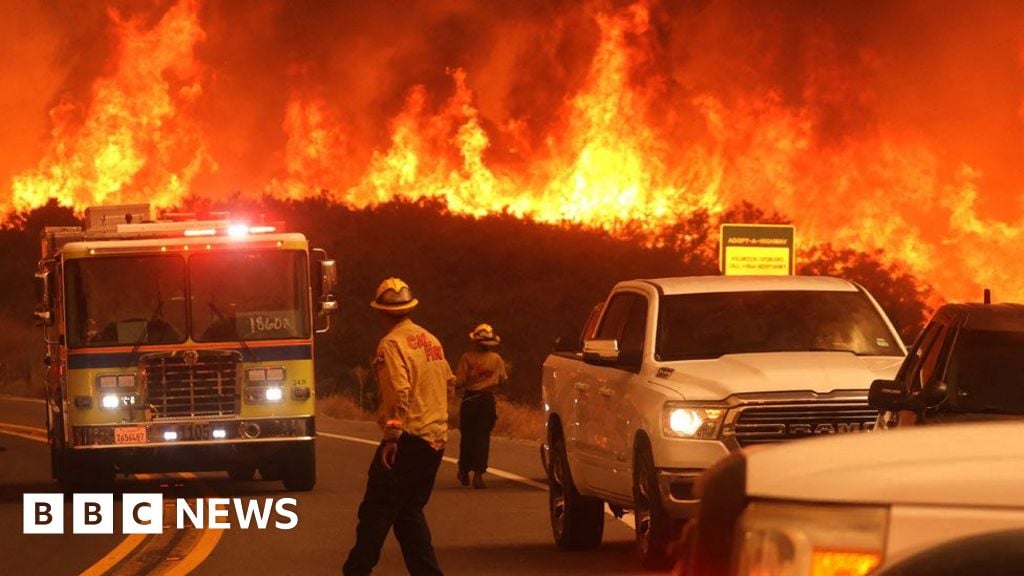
[477, 416]
[396, 498]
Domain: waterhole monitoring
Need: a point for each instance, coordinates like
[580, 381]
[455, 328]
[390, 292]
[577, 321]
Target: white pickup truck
[672, 374]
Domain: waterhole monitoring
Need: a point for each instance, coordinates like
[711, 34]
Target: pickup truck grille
[777, 423]
[203, 386]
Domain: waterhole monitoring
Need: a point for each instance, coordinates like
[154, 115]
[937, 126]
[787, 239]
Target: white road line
[490, 470]
[627, 519]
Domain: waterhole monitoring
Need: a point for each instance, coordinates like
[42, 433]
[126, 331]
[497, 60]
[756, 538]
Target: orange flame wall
[893, 125]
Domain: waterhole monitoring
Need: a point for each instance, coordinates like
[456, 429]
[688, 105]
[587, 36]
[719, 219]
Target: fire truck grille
[203, 386]
[765, 424]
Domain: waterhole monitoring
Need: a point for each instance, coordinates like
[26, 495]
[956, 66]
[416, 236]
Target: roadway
[501, 530]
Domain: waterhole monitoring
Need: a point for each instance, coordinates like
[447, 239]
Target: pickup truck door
[612, 414]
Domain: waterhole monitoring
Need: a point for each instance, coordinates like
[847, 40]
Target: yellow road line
[189, 561]
[119, 553]
[122, 550]
[181, 551]
[199, 552]
[26, 432]
[22, 399]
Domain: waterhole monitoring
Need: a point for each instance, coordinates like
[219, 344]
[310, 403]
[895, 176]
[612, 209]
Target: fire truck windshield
[126, 300]
[141, 300]
[248, 296]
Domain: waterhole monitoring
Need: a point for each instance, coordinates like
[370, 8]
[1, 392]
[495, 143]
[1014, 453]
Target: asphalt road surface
[501, 530]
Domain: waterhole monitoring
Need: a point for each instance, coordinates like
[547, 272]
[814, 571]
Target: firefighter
[479, 373]
[413, 377]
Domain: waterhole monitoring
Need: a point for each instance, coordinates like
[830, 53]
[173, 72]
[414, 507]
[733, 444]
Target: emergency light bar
[190, 230]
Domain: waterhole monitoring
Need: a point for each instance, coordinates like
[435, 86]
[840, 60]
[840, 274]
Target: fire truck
[181, 344]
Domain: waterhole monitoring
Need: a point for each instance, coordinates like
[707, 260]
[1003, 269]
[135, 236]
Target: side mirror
[328, 277]
[887, 395]
[601, 351]
[935, 393]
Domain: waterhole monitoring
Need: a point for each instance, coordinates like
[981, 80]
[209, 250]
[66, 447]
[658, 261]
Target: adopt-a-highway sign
[757, 249]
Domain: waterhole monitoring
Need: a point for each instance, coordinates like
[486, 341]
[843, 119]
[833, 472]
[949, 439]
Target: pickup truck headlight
[687, 421]
[782, 539]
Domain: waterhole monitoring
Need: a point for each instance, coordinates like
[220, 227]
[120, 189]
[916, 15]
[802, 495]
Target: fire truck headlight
[238, 230]
[274, 394]
[275, 374]
[107, 381]
[110, 401]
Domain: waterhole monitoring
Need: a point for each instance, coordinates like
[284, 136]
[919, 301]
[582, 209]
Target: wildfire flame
[623, 150]
[133, 140]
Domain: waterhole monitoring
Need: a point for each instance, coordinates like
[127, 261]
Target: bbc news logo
[144, 513]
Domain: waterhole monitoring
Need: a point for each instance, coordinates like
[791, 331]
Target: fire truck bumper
[194, 445]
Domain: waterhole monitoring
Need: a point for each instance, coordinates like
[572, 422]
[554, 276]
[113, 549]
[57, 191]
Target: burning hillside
[870, 128]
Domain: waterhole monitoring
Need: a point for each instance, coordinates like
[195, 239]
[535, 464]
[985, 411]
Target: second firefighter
[479, 373]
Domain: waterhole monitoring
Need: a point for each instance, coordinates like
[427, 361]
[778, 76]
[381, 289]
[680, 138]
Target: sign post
[757, 250]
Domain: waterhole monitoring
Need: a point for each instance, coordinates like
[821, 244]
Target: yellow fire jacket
[479, 370]
[413, 376]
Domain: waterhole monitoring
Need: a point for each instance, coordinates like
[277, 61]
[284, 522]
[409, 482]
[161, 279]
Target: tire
[272, 469]
[299, 474]
[80, 473]
[242, 473]
[577, 521]
[653, 525]
[58, 465]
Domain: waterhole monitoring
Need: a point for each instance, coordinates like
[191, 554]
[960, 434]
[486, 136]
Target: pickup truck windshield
[986, 372]
[694, 326]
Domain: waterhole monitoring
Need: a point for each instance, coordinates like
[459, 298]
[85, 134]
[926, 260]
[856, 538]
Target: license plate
[134, 435]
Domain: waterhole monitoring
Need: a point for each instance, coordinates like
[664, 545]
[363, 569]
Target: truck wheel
[577, 521]
[57, 464]
[300, 468]
[79, 473]
[653, 525]
[272, 469]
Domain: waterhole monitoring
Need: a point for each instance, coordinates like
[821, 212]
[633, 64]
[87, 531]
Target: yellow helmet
[394, 296]
[484, 334]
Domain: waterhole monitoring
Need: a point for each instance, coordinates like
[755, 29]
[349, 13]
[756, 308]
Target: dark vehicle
[967, 364]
